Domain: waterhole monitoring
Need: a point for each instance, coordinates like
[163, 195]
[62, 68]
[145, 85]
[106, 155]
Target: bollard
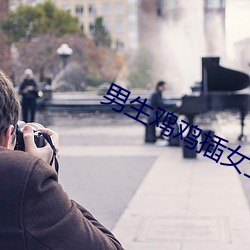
[150, 134]
[209, 141]
[188, 153]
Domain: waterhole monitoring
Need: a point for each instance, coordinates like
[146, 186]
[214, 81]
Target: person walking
[29, 92]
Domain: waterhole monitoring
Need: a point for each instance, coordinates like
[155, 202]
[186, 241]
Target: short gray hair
[28, 72]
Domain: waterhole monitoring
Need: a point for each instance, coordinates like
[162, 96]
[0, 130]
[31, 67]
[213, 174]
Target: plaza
[149, 195]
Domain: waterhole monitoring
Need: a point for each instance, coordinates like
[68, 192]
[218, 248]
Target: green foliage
[93, 80]
[42, 18]
[141, 75]
[100, 33]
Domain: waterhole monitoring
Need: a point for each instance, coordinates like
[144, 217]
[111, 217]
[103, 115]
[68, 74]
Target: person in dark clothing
[35, 212]
[156, 101]
[156, 98]
[29, 91]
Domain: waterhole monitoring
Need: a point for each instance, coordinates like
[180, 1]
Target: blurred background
[131, 42]
[77, 48]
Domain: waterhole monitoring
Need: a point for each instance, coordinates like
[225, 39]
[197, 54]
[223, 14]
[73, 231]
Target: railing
[92, 102]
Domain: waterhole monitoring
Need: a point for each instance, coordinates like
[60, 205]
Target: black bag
[174, 141]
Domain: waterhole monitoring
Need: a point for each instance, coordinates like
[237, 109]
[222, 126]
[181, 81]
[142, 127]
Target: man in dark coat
[156, 101]
[35, 212]
[29, 91]
[156, 98]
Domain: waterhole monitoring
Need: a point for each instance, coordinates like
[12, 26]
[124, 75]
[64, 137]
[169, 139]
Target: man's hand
[45, 153]
[28, 89]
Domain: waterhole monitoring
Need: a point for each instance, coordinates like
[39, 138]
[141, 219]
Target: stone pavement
[186, 204]
[101, 167]
[181, 204]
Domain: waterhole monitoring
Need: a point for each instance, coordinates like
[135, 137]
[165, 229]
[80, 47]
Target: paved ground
[94, 172]
[103, 184]
[186, 204]
[149, 195]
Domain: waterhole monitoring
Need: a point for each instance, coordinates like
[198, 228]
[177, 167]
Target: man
[35, 212]
[156, 98]
[156, 101]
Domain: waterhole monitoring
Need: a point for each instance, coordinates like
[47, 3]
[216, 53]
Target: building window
[119, 26]
[79, 10]
[214, 4]
[119, 44]
[107, 25]
[82, 26]
[106, 9]
[170, 4]
[132, 10]
[91, 27]
[119, 9]
[67, 8]
[92, 10]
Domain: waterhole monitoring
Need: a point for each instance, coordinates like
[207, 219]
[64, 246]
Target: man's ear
[7, 140]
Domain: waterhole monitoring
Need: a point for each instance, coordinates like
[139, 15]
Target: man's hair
[159, 84]
[9, 104]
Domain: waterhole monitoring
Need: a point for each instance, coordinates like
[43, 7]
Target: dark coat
[31, 94]
[36, 214]
[156, 101]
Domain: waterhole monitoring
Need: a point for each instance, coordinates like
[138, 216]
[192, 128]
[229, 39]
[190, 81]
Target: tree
[141, 75]
[95, 64]
[42, 18]
[100, 33]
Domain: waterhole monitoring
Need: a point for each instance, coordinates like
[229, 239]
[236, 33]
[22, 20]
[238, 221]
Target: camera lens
[38, 137]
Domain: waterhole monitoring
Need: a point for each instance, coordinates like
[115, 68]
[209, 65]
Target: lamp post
[64, 51]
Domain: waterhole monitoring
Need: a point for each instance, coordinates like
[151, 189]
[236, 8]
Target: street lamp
[64, 51]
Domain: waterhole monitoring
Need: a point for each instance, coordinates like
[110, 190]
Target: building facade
[120, 18]
[208, 13]
[147, 10]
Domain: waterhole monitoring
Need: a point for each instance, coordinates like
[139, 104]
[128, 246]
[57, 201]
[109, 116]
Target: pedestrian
[35, 212]
[29, 92]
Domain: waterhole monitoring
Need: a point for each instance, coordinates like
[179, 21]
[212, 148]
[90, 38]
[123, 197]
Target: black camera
[38, 137]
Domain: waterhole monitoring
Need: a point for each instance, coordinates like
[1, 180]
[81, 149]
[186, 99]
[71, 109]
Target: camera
[38, 137]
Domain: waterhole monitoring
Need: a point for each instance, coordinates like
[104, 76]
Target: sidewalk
[186, 204]
[181, 204]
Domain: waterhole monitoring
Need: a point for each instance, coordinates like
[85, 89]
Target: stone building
[120, 18]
